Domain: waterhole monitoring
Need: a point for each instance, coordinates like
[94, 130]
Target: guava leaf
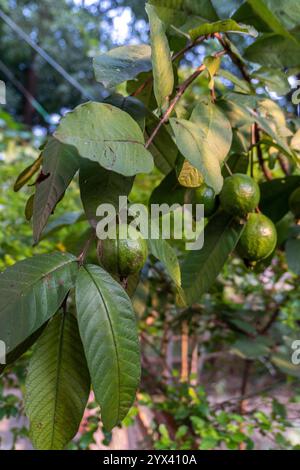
[57, 384]
[198, 151]
[121, 64]
[161, 250]
[107, 135]
[60, 163]
[100, 186]
[201, 267]
[31, 291]
[108, 331]
[161, 58]
[274, 201]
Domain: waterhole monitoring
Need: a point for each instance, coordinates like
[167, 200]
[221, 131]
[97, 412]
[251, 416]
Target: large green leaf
[198, 151]
[176, 12]
[65, 220]
[108, 331]
[60, 163]
[163, 77]
[161, 250]
[107, 135]
[121, 64]
[163, 148]
[57, 384]
[274, 202]
[215, 128]
[292, 251]
[201, 267]
[223, 26]
[270, 15]
[31, 291]
[275, 80]
[100, 186]
[274, 50]
[131, 105]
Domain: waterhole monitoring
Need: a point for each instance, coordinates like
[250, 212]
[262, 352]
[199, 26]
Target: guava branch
[225, 43]
[175, 57]
[267, 173]
[82, 256]
[180, 91]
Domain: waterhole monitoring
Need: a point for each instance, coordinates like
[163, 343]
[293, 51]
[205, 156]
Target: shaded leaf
[29, 207]
[169, 191]
[274, 202]
[60, 163]
[250, 348]
[274, 50]
[121, 64]
[57, 384]
[31, 291]
[108, 331]
[201, 267]
[100, 186]
[163, 149]
[67, 219]
[292, 251]
[161, 250]
[131, 105]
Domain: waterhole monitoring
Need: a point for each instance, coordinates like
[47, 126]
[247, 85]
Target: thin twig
[284, 165]
[184, 351]
[84, 252]
[176, 56]
[267, 173]
[180, 91]
[225, 43]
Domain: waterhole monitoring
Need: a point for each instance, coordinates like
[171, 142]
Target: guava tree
[232, 148]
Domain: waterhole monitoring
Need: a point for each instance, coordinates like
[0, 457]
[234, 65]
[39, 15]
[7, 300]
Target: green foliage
[31, 292]
[107, 135]
[57, 384]
[108, 331]
[122, 64]
[60, 163]
[201, 267]
[163, 77]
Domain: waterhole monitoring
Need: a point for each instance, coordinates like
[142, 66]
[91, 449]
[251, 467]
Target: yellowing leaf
[189, 176]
